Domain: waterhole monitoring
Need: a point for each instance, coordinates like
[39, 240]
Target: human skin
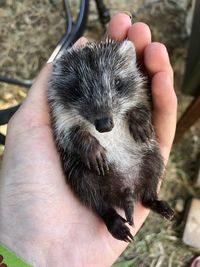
[40, 218]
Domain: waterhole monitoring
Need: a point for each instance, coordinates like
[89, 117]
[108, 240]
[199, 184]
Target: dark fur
[78, 77]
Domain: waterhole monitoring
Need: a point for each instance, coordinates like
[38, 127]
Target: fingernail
[128, 13]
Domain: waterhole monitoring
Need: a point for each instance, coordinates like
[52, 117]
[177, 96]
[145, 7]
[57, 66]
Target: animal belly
[122, 151]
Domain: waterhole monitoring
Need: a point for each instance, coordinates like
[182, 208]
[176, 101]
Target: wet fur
[116, 168]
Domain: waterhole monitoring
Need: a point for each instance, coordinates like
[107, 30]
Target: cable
[23, 83]
[78, 27]
[6, 114]
[76, 31]
[72, 33]
[65, 37]
[69, 17]
[2, 139]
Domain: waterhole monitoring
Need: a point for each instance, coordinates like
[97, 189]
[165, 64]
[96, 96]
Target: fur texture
[101, 115]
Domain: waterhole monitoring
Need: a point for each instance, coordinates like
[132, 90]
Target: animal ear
[128, 48]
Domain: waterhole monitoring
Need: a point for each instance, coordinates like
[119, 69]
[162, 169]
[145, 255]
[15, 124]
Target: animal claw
[95, 159]
[100, 164]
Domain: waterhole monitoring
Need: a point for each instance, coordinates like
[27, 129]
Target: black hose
[2, 139]
[65, 37]
[23, 83]
[69, 17]
[78, 27]
[72, 33]
[6, 114]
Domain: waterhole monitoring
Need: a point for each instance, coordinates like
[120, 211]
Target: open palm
[41, 219]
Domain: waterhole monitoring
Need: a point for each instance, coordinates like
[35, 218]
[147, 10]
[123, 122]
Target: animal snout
[104, 125]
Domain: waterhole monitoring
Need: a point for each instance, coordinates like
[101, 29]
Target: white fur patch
[120, 145]
[64, 121]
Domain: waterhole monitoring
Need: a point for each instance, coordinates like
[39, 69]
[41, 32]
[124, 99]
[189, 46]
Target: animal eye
[118, 84]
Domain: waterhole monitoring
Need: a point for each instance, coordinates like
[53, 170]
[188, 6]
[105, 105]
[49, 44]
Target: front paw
[140, 125]
[141, 133]
[95, 158]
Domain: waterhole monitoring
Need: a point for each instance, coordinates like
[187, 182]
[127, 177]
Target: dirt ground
[29, 31]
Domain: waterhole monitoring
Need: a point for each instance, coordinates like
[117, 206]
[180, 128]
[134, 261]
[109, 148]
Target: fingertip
[139, 33]
[118, 26]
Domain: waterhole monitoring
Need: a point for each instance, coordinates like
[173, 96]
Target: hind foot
[161, 207]
[120, 231]
[116, 226]
[164, 209]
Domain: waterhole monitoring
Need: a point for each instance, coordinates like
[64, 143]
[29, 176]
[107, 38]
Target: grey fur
[92, 89]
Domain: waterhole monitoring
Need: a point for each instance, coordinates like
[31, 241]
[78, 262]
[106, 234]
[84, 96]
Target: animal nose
[104, 125]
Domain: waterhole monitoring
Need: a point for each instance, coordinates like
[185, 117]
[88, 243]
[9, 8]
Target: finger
[164, 111]
[140, 34]
[158, 65]
[118, 27]
[156, 59]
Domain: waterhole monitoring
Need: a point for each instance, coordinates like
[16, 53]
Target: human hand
[41, 219]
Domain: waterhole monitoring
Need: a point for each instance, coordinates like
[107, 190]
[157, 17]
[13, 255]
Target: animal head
[98, 81]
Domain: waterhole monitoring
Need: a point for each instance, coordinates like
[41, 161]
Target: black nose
[104, 125]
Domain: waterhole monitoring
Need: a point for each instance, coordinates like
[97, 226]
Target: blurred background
[30, 31]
